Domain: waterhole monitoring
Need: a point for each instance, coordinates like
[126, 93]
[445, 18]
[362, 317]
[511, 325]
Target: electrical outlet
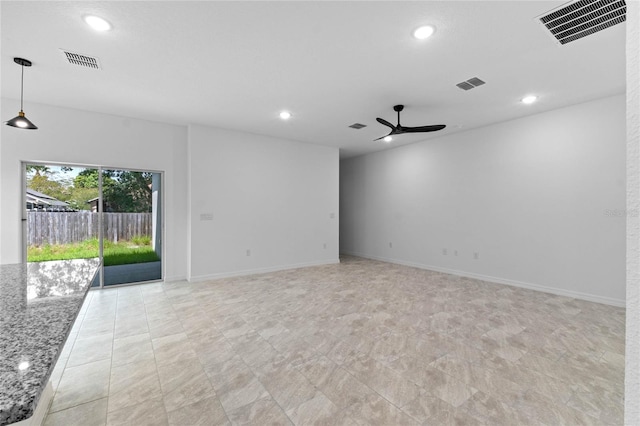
[476, 255]
[332, 215]
[324, 246]
[455, 252]
[444, 251]
[206, 216]
[248, 252]
[390, 245]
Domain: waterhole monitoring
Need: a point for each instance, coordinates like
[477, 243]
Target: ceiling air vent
[81, 60]
[470, 84]
[357, 126]
[582, 18]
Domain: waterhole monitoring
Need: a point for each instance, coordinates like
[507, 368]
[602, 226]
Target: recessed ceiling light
[423, 32]
[285, 115]
[97, 23]
[387, 139]
[529, 99]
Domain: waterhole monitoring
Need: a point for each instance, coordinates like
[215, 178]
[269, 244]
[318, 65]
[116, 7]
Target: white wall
[540, 199]
[73, 136]
[632, 347]
[270, 196]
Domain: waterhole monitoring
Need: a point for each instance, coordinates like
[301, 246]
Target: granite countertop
[38, 304]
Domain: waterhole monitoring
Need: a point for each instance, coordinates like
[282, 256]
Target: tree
[87, 178]
[43, 179]
[128, 191]
[79, 198]
[52, 188]
[123, 191]
[36, 169]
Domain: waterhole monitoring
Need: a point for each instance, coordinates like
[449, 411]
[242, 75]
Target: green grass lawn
[121, 253]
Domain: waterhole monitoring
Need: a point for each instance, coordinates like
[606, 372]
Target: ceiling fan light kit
[399, 129]
[20, 121]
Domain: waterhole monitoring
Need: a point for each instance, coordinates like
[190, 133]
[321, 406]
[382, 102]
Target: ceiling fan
[398, 129]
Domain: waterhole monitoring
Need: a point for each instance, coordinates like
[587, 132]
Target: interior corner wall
[80, 137]
[259, 204]
[540, 201]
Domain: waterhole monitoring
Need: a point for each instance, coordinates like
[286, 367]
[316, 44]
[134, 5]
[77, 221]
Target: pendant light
[20, 121]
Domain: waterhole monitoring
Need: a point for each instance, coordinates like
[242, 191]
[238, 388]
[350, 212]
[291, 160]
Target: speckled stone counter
[38, 304]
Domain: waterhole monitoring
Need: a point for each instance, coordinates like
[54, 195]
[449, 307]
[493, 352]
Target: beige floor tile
[453, 391]
[382, 379]
[92, 413]
[132, 349]
[542, 409]
[66, 349]
[253, 349]
[130, 309]
[202, 413]
[147, 413]
[595, 404]
[235, 328]
[425, 406]
[288, 387]
[262, 412]
[173, 348]
[90, 348]
[183, 383]
[94, 326]
[341, 351]
[361, 342]
[164, 327]
[343, 389]
[84, 383]
[235, 384]
[489, 409]
[317, 369]
[375, 410]
[318, 410]
[459, 417]
[56, 374]
[133, 383]
[213, 353]
[131, 325]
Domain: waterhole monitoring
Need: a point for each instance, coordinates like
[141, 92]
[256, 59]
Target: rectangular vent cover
[357, 126]
[582, 18]
[470, 84]
[475, 81]
[81, 60]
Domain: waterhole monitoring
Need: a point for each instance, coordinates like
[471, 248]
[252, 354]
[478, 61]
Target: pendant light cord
[21, 86]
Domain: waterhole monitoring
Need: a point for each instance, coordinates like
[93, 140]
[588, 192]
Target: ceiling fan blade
[385, 122]
[420, 129]
[393, 132]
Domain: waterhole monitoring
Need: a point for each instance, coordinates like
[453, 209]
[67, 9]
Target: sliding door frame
[100, 169]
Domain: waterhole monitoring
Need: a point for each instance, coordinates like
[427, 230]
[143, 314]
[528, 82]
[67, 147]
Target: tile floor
[362, 342]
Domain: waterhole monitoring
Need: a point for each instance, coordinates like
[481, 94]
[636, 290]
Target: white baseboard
[175, 278]
[514, 283]
[199, 278]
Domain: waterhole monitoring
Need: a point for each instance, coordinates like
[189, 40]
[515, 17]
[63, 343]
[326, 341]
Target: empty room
[320, 213]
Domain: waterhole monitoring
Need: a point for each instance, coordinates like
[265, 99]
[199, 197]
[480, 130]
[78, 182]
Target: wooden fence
[70, 227]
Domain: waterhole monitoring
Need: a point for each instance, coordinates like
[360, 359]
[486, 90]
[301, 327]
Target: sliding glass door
[59, 223]
[131, 235]
[76, 212]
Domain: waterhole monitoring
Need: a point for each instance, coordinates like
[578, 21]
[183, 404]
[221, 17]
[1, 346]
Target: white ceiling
[235, 65]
